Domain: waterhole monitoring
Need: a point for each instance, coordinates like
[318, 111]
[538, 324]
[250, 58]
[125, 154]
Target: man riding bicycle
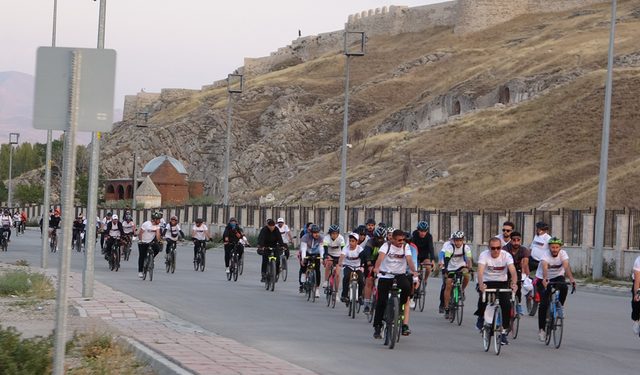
[287, 238]
[114, 233]
[230, 240]
[54, 224]
[78, 228]
[371, 226]
[332, 244]
[149, 236]
[6, 222]
[270, 237]
[456, 258]
[311, 244]
[520, 256]
[424, 242]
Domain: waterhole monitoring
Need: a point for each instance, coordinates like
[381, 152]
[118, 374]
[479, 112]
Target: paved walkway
[197, 351]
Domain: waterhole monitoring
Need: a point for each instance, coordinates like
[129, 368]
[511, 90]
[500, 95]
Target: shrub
[26, 284]
[24, 356]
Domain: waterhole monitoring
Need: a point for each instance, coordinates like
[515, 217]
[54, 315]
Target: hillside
[506, 118]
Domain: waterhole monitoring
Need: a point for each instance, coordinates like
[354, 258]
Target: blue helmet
[423, 225]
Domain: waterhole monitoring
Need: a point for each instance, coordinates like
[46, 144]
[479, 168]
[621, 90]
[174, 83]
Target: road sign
[96, 86]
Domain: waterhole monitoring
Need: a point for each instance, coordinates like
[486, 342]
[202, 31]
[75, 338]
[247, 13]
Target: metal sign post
[145, 116]
[226, 170]
[13, 140]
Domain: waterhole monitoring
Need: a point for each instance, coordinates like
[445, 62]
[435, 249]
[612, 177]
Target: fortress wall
[134, 103]
[475, 15]
[548, 6]
[172, 94]
[402, 19]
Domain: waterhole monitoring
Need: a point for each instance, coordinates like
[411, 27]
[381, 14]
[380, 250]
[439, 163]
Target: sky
[170, 43]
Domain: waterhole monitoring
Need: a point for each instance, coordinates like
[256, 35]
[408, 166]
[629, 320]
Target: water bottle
[498, 320]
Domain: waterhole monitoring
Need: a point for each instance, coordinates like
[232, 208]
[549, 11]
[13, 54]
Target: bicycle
[393, 314]
[77, 240]
[555, 317]
[515, 316]
[114, 255]
[201, 250]
[234, 263]
[270, 277]
[456, 301]
[126, 250]
[52, 240]
[4, 239]
[493, 327]
[170, 262]
[353, 303]
[284, 269]
[533, 299]
[149, 262]
[421, 293]
[310, 282]
[332, 287]
[374, 299]
[17, 226]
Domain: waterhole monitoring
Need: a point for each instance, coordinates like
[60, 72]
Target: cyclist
[163, 224]
[370, 256]
[230, 240]
[54, 223]
[106, 220]
[287, 238]
[539, 245]
[520, 256]
[303, 268]
[446, 246]
[270, 237]
[393, 258]
[635, 301]
[23, 216]
[554, 265]
[78, 228]
[129, 228]
[507, 229]
[361, 231]
[173, 233]
[17, 222]
[149, 236]
[382, 224]
[332, 244]
[311, 244]
[389, 232]
[199, 232]
[371, 226]
[6, 222]
[414, 257]
[114, 232]
[456, 258]
[352, 262]
[424, 242]
[493, 266]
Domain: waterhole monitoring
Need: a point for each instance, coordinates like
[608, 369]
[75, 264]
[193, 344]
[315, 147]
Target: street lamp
[355, 49]
[231, 91]
[145, 117]
[13, 140]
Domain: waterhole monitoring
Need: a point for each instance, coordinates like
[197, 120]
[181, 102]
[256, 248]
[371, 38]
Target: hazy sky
[170, 44]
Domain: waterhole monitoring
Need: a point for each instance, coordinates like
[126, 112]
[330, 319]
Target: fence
[567, 224]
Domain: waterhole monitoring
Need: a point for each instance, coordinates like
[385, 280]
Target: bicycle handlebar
[553, 283]
[498, 290]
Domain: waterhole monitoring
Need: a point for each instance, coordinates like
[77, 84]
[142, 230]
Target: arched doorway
[456, 109]
[110, 189]
[120, 192]
[129, 192]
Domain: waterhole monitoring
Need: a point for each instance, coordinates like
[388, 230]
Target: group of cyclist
[16, 220]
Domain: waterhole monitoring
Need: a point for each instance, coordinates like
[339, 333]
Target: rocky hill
[506, 118]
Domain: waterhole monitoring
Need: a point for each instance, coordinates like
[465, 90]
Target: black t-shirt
[424, 245]
[54, 221]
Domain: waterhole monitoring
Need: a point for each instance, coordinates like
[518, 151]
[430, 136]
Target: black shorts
[453, 275]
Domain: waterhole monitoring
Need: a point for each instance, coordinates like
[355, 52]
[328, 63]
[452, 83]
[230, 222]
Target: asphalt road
[597, 336]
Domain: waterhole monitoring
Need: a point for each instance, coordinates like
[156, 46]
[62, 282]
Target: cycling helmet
[382, 224]
[423, 225]
[114, 217]
[391, 229]
[199, 220]
[6, 211]
[128, 217]
[174, 217]
[555, 240]
[370, 221]
[314, 228]
[407, 237]
[334, 228]
[160, 213]
[542, 225]
[79, 217]
[57, 211]
[108, 213]
[155, 216]
[458, 235]
[361, 230]
[233, 219]
[380, 233]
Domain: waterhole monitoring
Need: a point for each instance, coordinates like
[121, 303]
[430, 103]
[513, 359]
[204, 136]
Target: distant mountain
[16, 109]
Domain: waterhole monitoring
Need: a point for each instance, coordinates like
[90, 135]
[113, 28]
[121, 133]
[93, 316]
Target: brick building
[167, 174]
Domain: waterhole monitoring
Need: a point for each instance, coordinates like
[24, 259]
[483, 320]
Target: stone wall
[168, 95]
[134, 103]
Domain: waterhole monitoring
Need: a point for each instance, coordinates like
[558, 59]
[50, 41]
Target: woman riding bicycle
[352, 262]
[333, 244]
[173, 234]
[199, 232]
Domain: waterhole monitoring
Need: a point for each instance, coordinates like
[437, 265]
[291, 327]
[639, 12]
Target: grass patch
[26, 302]
[24, 356]
[26, 284]
[21, 263]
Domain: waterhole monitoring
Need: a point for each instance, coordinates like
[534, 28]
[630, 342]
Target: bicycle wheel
[117, 260]
[312, 285]
[532, 305]
[284, 270]
[307, 286]
[112, 262]
[372, 310]
[460, 312]
[167, 262]
[173, 261]
[548, 327]
[515, 319]
[204, 252]
[329, 290]
[559, 323]
[241, 264]
[497, 330]
[486, 337]
[127, 251]
[391, 326]
[52, 244]
[145, 268]
[453, 305]
[353, 295]
[234, 270]
[196, 262]
[272, 271]
[230, 273]
[151, 265]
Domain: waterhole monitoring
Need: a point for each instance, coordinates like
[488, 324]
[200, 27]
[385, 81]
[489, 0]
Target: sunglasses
[507, 230]
[400, 239]
[495, 248]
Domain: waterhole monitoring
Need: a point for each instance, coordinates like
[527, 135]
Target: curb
[606, 290]
[162, 364]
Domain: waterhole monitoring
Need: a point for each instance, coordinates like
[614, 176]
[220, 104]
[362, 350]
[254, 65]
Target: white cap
[355, 235]
[280, 220]
[114, 217]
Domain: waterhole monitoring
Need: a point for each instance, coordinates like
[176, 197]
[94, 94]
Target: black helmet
[314, 228]
[382, 224]
[371, 221]
[334, 228]
[232, 219]
[380, 233]
[542, 225]
[155, 216]
[109, 213]
[407, 237]
[199, 220]
[360, 230]
[458, 235]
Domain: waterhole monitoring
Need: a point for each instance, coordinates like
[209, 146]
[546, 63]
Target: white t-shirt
[334, 246]
[200, 232]
[104, 223]
[458, 255]
[501, 238]
[127, 227]
[539, 245]
[283, 231]
[149, 231]
[554, 265]
[6, 221]
[172, 232]
[351, 257]
[495, 269]
[17, 218]
[395, 260]
[114, 232]
[636, 267]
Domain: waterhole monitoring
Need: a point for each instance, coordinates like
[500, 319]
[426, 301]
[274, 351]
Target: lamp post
[145, 117]
[231, 91]
[604, 155]
[343, 179]
[13, 140]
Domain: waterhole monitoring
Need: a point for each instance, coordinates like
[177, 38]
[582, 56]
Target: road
[597, 335]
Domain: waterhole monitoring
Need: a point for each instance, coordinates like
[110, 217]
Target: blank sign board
[96, 84]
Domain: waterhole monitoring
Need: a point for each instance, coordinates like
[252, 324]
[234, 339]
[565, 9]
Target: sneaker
[504, 339]
[441, 309]
[140, 275]
[343, 299]
[412, 304]
[405, 330]
[479, 323]
[317, 293]
[367, 310]
[636, 327]
[262, 279]
[520, 310]
[446, 313]
[324, 285]
[301, 289]
[541, 335]
[227, 270]
[376, 333]
[464, 298]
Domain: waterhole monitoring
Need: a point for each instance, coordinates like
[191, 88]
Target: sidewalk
[190, 347]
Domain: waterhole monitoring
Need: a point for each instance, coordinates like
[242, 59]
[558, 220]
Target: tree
[29, 193]
[4, 192]
[82, 188]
